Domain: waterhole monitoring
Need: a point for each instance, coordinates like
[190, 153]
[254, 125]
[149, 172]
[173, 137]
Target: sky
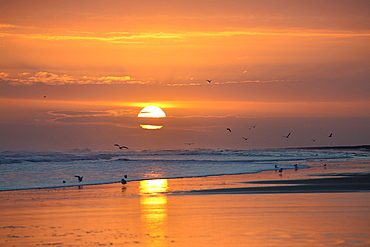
[75, 74]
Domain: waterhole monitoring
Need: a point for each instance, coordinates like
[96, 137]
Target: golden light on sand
[153, 186]
[151, 126]
[153, 205]
[151, 112]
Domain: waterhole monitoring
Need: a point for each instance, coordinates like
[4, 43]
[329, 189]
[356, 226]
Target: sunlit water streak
[25, 169]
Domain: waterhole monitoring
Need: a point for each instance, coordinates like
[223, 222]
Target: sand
[306, 207]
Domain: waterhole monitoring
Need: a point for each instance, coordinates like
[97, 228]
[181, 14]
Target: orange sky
[287, 65]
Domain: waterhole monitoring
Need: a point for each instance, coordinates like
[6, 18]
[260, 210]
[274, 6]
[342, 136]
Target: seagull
[44, 96]
[276, 166]
[209, 81]
[189, 143]
[245, 138]
[281, 170]
[296, 166]
[123, 181]
[120, 147]
[79, 178]
[228, 129]
[287, 136]
[313, 140]
[331, 135]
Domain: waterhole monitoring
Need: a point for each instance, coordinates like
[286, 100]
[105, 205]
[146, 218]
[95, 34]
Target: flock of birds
[123, 180]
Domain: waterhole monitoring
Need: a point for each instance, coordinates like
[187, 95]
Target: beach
[327, 206]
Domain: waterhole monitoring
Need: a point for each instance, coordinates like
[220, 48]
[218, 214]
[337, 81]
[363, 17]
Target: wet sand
[292, 208]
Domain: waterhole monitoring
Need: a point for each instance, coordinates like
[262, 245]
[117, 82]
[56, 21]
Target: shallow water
[26, 169]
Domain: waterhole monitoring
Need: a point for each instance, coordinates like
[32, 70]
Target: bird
[64, 181]
[209, 81]
[228, 129]
[296, 166]
[313, 140]
[189, 143]
[44, 96]
[245, 138]
[120, 147]
[331, 135]
[123, 181]
[79, 178]
[287, 136]
[276, 166]
[281, 170]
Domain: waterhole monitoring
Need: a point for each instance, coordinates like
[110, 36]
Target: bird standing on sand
[79, 178]
[120, 147]
[281, 170]
[123, 181]
[228, 129]
[276, 166]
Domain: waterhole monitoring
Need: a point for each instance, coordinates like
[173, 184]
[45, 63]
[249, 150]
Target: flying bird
[79, 178]
[287, 136]
[331, 135]
[313, 140]
[120, 147]
[245, 138]
[209, 81]
[228, 129]
[189, 143]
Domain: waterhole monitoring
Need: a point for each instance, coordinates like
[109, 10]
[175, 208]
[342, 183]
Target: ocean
[45, 169]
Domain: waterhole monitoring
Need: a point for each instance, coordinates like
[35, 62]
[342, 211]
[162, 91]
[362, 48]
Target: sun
[152, 112]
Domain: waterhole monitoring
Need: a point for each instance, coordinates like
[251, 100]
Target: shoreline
[345, 184]
[161, 212]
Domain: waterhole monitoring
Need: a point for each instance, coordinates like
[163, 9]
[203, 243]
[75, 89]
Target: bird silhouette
[287, 136]
[123, 181]
[120, 147]
[189, 143]
[228, 129]
[79, 178]
[209, 81]
[245, 138]
[281, 170]
[331, 135]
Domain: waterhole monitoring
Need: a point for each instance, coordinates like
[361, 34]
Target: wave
[28, 169]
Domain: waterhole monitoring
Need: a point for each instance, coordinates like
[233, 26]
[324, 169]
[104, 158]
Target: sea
[21, 170]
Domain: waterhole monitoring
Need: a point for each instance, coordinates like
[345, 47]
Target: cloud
[49, 78]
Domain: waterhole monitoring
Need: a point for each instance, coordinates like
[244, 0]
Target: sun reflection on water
[154, 209]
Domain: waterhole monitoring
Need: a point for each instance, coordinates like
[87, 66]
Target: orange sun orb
[151, 113]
